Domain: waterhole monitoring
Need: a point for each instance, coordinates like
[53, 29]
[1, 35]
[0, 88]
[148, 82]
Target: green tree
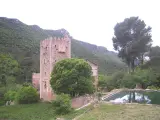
[9, 69]
[154, 52]
[102, 81]
[154, 65]
[72, 76]
[132, 38]
[116, 79]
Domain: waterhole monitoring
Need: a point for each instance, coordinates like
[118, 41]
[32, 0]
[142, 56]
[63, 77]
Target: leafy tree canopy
[72, 76]
[9, 69]
[132, 38]
[154, 52]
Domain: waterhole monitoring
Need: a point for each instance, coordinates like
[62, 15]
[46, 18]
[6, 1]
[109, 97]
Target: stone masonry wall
[35, 80]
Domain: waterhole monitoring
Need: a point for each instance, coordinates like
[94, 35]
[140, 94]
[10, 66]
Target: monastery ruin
[53, 50]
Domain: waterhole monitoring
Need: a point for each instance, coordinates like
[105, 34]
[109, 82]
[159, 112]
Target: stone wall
[94, 72]
[35, 80]
[82, 100]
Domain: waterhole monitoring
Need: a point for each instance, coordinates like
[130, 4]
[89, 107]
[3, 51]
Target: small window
[55, 46]
[45, 86]
[45, 73]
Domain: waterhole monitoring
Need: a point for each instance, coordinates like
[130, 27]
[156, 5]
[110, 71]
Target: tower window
[55, 46]
[45, 86]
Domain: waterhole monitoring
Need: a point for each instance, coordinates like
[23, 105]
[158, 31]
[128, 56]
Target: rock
[12, 103]
[60, 119]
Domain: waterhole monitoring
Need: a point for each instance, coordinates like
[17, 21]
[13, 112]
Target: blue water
[145, 97]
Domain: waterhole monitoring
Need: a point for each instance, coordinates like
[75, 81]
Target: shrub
[26, 84]
[27, 95]
[13, 87]
[62, 104]
[102, 81]
[2, 101]
[10, 95]
[2, 92]
[153, 87]
[114, 81]
[129, 81]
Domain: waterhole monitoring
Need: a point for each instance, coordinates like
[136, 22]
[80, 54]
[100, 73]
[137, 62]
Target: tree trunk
[142, 59]
[134, 97]
[132, 66]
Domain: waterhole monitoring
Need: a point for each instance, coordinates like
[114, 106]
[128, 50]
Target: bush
[129, 81]
[153, 87]
[26, 84]
[2, 92]
[27, 95]
[62, 104]
[10, 95]
[114, 81]
[13, 87]
[2, 101]
[102, 81]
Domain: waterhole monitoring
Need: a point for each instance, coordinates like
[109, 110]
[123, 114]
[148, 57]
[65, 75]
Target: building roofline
[91, 62]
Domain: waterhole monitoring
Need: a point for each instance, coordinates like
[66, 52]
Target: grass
[44, 111]
[123, 112]
[39, 111]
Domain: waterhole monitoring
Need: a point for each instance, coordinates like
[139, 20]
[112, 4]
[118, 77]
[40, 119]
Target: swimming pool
[135, 96]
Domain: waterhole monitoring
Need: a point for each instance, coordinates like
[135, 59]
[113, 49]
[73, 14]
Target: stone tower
[52, 50]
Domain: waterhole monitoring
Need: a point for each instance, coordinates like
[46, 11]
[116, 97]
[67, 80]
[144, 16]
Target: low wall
[77, 102]
[81, 101]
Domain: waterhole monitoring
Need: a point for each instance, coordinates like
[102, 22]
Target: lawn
[39, 111]
[44, 111]
[123, 112]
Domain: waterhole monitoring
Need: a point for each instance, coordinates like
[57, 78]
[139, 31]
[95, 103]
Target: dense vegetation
[133, 41]
[22, 42]
[9, 70]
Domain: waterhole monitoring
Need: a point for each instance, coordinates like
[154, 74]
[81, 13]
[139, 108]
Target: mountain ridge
[22, 42]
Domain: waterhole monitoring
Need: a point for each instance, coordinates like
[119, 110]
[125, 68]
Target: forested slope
[22, 42]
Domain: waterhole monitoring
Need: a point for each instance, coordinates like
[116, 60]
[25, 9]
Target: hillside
[22, 42]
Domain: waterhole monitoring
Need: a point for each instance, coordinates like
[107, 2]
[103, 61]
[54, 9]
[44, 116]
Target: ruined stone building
[51, 51]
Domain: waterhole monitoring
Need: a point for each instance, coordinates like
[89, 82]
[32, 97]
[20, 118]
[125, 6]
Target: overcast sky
[86, 20]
